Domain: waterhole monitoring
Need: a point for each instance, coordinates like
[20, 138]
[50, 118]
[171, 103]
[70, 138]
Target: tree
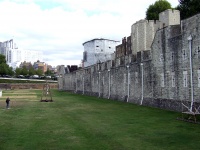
[31, 71]
[39, 72]
[48, 72]
[24, 71]
[18, 71]
[188, 8]
[10, 71]
[2, 59]
[159, 6]
[4, 68]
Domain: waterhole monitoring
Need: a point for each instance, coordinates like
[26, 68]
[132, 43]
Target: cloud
[59, 27]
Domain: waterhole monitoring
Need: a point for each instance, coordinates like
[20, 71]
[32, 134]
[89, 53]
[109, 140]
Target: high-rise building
[14, 55]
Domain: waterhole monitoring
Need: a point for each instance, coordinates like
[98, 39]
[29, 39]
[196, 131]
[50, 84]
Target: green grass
[81, 122]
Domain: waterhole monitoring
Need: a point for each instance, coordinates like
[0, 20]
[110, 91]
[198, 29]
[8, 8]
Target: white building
[98, 50]
[15, 56]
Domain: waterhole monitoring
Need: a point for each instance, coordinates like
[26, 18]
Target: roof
[99, 39]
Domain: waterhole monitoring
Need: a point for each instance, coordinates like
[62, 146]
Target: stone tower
[169, 17]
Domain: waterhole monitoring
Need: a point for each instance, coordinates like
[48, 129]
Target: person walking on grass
[7, 102]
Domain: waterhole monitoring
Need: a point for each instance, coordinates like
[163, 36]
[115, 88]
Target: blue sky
[59, 27]
[47, 5]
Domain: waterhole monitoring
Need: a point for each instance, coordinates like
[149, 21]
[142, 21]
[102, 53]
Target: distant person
[7, 102]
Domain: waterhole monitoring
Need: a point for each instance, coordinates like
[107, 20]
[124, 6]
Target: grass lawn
[74, 122]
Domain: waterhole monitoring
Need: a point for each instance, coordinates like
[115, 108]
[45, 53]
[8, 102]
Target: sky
[58, 28]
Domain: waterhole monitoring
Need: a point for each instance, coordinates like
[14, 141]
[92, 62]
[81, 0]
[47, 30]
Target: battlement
[147, 22]
[169, 17]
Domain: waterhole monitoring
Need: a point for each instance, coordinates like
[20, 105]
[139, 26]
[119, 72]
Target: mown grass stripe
[83, 122]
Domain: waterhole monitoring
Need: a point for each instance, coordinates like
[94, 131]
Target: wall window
[173, 79]
[184, 55]
[136, 77]
[198, 52]
[184, 78]
[124, 82]
[172, 55]
[198, 71]
[162, 81]
[124, 78]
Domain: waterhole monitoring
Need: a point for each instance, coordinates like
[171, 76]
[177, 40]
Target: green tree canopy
[4, 68]
[18, 71]
[2, 59]
[48, 72]
[188, 8]
[10, 71]
[159, 6]
[39, 72]
[31, 71]
[24, 71]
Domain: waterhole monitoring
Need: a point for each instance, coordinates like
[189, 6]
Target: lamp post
[142, 90]
[191, 70]
[128, 86]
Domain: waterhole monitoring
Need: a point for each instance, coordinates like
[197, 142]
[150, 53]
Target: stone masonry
[159, 77]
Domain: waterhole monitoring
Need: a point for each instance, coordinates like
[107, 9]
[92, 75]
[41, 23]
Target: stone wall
[169, 17]
[26, 85]
[160, 77]
[142, 34]
[143, 31]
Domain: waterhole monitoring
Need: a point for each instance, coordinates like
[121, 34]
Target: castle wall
[191, 27]
[169, 17]
[142, 34]
[159, 77]
[171, 63]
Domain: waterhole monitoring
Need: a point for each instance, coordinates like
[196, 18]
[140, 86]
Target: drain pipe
[76, 85]
[128, 88]
[83, 85]
[142, 84]
[191, 70]
[99, 85]
[108, 84]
